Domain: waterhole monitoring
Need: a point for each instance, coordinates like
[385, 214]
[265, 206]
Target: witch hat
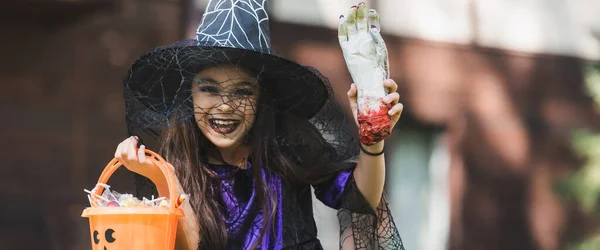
[157, 86]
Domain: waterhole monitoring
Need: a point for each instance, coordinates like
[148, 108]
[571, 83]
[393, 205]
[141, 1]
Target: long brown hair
[282, 143]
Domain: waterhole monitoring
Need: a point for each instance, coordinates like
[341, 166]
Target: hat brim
[157, 76]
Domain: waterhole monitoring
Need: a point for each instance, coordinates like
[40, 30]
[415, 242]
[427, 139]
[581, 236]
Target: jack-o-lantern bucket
[135, 228]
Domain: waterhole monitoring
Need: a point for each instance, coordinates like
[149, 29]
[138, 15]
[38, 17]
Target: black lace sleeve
[363, 228]
[360, 226]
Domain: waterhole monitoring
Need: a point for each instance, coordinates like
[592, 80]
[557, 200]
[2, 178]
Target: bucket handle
[158, 161]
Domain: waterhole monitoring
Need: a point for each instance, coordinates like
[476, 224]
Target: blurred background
[498, 146]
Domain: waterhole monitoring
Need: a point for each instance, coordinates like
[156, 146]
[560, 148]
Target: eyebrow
[245, 84]
[215, 82]
[207, 80]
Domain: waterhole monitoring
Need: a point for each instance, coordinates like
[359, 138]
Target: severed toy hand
[366, 56]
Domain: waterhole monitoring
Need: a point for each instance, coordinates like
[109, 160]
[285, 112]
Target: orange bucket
[135, 228]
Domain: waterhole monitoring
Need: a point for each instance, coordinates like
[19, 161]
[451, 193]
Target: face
[225, 99]
[103, 239]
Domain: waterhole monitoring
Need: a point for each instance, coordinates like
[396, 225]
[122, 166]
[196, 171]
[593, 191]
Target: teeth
[223, 122]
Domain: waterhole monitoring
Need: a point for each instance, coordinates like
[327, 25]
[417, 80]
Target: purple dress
[294, 226]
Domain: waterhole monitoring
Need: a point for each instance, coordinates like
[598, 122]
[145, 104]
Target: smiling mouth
[224, 126]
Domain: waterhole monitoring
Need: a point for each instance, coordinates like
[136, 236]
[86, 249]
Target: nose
[226, 105]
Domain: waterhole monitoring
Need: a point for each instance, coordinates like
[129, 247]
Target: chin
[222, 142]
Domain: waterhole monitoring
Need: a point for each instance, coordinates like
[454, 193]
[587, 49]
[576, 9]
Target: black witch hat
[157, 86]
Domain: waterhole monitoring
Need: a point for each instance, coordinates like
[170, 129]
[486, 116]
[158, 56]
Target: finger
[352, 97]
[374, 21]
[351, 22]
[376, 35]
[123, 149]
[142, 154]
[392, 98]
[391, 85]
[118, 151]
[131, 155]
[352, 90]
[396, 110]
[342, 29]
[374, 31]
[352, 93]
[361, 17]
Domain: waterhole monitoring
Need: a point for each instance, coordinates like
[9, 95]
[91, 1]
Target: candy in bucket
[111, 198]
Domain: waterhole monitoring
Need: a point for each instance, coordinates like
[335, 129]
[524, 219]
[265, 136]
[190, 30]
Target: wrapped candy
[115, 199]
[181, 199]
[127, 200]
[163, 203]
[113, 204]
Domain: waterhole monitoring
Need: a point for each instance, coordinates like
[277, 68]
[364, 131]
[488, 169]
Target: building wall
[561, 27]
[61, 101]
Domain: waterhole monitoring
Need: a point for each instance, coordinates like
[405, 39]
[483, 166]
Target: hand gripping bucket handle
[158, 161]
[148, 228]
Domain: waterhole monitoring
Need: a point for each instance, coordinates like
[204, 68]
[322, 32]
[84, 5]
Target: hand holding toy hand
[375, 127]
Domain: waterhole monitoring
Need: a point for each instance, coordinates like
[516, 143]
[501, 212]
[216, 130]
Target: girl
[248, 133]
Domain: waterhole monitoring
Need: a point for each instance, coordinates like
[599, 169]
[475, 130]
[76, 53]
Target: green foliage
[590, 244]
[584, 185]
[592, 81]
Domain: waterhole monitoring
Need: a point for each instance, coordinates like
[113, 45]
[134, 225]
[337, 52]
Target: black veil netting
[158, 91]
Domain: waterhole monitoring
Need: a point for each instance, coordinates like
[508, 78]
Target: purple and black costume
[294, 225]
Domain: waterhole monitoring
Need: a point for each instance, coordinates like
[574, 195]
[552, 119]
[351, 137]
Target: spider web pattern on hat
[223, 18]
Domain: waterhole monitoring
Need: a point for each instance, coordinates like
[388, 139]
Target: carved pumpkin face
[104, 238]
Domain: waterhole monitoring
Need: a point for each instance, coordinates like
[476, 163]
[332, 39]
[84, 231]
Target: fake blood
[374, 125]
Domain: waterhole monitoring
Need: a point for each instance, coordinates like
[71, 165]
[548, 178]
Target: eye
[209, 89]
[244, 92]
[96, 240]
[109, 235]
